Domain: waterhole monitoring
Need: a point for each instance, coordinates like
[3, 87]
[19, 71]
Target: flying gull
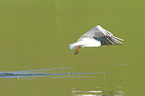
[95, 37]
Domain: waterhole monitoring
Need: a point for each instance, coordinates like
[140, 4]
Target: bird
[95, 37]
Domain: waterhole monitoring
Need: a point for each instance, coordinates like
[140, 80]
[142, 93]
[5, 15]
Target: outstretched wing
[103, 35]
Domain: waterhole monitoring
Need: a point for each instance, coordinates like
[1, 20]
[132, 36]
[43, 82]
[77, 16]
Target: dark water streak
[26, 73]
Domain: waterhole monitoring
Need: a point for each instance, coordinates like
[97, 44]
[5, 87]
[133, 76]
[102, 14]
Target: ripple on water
[42, 72]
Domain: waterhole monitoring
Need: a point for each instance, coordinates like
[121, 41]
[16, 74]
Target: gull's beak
[76, 52]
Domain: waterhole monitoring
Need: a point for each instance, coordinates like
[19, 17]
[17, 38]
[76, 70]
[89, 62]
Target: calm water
[35, 59]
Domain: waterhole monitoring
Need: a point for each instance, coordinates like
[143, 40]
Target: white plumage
[86, 42]
[96, 37]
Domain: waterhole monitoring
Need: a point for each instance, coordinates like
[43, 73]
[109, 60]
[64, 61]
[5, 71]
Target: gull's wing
[103, 35]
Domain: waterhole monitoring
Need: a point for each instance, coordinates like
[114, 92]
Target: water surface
[35, 59]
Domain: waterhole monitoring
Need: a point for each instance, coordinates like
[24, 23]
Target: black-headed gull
[95, 37]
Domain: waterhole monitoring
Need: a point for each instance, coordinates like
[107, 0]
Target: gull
[95, 37]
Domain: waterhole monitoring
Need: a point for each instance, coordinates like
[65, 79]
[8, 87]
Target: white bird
[95, 37]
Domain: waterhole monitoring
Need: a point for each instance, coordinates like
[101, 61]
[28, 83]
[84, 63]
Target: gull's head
[78, 44]
[75, 45]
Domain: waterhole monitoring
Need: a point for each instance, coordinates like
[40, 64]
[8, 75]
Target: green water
[35, 34]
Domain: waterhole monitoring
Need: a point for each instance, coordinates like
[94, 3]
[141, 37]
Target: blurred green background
[36, 34]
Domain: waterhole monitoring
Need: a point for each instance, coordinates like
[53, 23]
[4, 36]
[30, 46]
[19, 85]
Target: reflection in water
[98, 92]
[121, 64]
[42, 72]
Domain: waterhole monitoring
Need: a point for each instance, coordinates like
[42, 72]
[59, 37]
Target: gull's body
[95, 37]
[86, 42]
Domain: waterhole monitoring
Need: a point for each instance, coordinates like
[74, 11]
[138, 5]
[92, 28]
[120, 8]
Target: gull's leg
[77, 51]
